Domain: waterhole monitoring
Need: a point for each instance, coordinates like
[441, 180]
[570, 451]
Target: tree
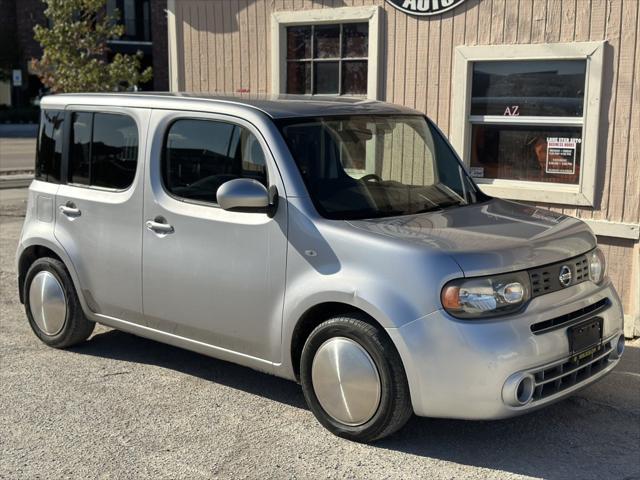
[74, 57]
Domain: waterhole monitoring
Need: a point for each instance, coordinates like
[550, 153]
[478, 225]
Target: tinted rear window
[104, 150]
[49, 149]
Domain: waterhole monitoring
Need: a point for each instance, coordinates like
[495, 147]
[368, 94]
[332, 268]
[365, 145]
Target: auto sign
[424, 7]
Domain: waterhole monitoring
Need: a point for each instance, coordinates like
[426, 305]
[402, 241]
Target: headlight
[486, 296]
[597, 265]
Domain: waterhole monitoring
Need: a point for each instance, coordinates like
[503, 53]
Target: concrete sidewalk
[17, 154]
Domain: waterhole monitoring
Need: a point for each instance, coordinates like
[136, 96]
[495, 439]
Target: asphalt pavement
[120, 406]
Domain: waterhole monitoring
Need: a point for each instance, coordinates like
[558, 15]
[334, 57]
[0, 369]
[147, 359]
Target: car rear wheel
[52, 305]
[353, 379]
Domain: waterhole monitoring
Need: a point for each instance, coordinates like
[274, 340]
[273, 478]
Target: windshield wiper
[439, 206]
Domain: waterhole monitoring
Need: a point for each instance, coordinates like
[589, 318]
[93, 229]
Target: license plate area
[586, 337]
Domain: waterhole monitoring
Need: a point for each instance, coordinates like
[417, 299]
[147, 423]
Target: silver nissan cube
[339, 243]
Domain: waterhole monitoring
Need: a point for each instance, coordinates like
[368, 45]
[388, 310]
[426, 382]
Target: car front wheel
[353, 379]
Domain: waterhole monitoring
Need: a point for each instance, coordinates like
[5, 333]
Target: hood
[491, 237]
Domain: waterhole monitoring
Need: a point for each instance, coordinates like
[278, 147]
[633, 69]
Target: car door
[99, 207]
[211, 275]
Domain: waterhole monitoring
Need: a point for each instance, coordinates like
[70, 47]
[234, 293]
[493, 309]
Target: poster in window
[561, 155]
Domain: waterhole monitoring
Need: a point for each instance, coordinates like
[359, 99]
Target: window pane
[299, 42]
[327, 41]
[201, 155]
[547, 88]
[49, 151]
[355, 41]
[299, 78]
[79, 163]
[354, 77]
[326, 77]
[114, 151]
[410, 170]
[535, 153]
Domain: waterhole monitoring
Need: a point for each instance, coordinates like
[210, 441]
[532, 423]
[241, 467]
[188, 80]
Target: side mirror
[243, 194]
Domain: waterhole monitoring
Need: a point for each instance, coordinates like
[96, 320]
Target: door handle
[70, 210]
[159, 226]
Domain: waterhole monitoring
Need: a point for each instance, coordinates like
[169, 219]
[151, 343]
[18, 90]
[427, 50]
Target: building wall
[224, 46]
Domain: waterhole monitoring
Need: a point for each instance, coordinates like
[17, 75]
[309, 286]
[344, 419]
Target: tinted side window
[201, 155]
[104, 150]
[114, 151]
[49, 151]
[80, 148]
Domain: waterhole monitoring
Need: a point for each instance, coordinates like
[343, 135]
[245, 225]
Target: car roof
[281, 106]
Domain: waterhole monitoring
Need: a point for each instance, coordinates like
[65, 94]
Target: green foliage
[74, 57]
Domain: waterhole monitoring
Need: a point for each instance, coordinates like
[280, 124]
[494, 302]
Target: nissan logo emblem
[565, 276]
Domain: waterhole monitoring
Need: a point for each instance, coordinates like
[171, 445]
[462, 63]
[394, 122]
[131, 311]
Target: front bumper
[458, 368]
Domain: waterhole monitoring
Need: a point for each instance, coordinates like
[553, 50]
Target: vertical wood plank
[203, 44]
[614, 18]
[457, 39]
[553, 18]
[195, 47]
[186, 42]
[583, 21]
[244, 46]
[220, 51]
[497, 22]
[484, 22]
[261, 49]
[267, 7]
[400, 58]
[471, 24]
[632, 198]
[620, 138]
[598, 24]
[511, 21]
[568, 22]
[538, 21]
[433, 87]
[525, 19]
[390, 52]
[236, 55]
[444, 79]
[422, 69]
[411, 62]
[252, 40]
[228, 47]
[211, 35]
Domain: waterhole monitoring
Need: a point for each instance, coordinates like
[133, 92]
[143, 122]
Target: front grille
[547, 279]
[570, 318]
[557, 377]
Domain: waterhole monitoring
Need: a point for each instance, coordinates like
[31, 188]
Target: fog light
[619, 348]
[518, 389]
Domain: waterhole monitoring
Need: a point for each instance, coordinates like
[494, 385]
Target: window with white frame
[326, 52]
[327, 59]
[527, 122]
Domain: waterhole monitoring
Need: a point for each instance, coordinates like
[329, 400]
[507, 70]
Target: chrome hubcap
[47, 303]
[346, 381]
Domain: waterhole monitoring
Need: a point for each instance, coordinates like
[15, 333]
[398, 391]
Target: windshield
[377, 166]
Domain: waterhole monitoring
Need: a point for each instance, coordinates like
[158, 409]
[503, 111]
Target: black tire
[394, 408]
[76, 327]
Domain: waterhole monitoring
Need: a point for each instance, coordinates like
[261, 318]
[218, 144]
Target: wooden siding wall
[224, 46]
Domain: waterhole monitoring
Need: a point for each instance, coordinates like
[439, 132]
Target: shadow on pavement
[581, 437]
[120, 345]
